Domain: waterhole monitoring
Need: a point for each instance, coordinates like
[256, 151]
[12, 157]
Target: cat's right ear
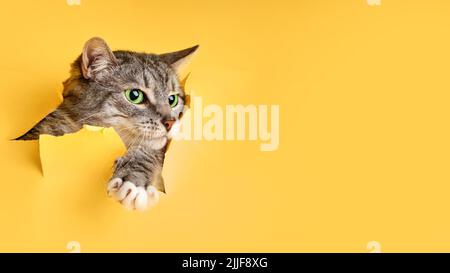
[177, 60]
[96, 57]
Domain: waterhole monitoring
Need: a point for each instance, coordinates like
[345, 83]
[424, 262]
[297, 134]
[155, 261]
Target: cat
[140, 96]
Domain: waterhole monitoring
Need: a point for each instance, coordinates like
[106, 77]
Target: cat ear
[96, 56]
[178, 59]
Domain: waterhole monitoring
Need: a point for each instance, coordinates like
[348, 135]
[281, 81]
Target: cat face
[137, 94]
[143, 98]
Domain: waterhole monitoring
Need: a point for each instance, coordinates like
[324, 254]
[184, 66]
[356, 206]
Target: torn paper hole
[48, 143]
[96, 139]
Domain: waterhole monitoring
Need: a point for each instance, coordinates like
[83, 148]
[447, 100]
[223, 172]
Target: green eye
[173, 100]
[135, 96]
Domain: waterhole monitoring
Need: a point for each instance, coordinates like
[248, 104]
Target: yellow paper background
[364, 138]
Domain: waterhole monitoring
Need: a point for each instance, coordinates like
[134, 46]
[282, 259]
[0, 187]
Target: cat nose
[168, 123]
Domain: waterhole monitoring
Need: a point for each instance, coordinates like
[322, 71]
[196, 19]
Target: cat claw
[132, 196]
[113, 186]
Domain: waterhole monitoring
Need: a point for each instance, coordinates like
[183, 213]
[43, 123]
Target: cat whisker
[126, 138]
[135, 140]
[131, 140]
[143, 139]
[125, 129]
[140, 141]
[85, 118]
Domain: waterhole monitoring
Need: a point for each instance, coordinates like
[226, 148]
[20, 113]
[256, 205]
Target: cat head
[138, 94]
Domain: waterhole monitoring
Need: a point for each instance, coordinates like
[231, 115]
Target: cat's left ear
[178, 59]
[96, 57]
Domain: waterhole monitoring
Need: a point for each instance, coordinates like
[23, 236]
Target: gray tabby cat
[137, 94]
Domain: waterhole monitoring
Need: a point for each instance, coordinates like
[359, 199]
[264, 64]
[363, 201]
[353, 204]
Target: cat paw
[132, 196]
